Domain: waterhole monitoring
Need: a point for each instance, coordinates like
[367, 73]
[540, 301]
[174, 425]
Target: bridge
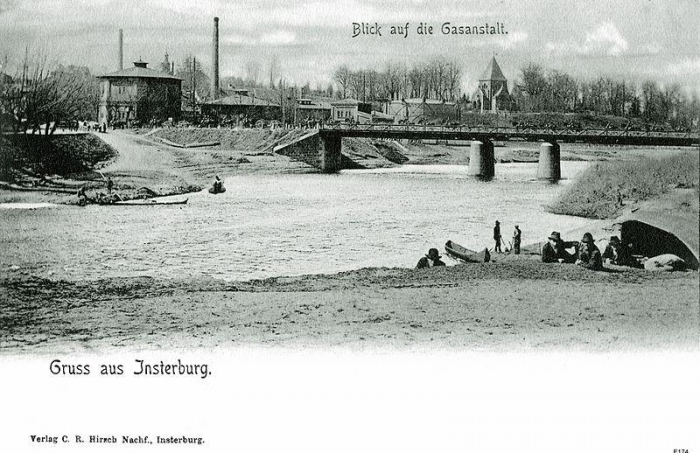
[322, 147]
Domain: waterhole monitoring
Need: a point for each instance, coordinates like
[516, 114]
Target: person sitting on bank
[555, 250]
[82, 196]
[619, 254]
[432, 259]
[588, 255]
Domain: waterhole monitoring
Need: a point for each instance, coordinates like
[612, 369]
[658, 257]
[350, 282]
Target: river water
[273, 225]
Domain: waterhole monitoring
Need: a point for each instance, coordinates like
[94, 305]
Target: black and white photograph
[352, 226]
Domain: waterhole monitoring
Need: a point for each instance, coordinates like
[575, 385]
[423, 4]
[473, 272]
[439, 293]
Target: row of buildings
[141, 94]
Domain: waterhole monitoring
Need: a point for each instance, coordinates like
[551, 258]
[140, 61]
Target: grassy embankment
[52, 164]
[261, 140]
[28, 156]
[604, 189]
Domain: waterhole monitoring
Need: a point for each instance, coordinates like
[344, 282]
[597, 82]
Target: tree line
[555, 91]
[44, 95]
[438, 78]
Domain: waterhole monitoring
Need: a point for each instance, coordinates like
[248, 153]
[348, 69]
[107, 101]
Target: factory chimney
[121, 49]
[215, 61]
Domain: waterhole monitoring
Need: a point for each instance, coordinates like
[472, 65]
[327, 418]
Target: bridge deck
[602, 136]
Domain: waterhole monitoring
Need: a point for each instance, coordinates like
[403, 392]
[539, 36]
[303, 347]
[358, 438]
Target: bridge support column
[549, 166]
[330, 153]
[481, 160]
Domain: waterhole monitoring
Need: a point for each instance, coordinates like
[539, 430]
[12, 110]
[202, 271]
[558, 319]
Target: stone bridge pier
[549, 165]
[482, 160]
[321, 151]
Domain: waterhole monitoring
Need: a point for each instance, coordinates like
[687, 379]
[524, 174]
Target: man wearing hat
[497, 237]
[432, 259]
[588, 254]
[555, 250]
[619, 254]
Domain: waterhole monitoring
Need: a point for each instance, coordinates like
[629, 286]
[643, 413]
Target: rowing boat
[470, 256]
[150, 202]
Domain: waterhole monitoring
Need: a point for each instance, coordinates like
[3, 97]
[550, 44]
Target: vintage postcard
[366, 225]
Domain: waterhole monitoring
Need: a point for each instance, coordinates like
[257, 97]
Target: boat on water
[214, 191]
[464, 254]
[148, 202]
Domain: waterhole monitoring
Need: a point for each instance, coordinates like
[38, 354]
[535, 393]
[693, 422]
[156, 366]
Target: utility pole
[194, 87]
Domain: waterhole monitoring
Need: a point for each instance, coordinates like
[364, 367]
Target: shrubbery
[53, 154]
[602, 190]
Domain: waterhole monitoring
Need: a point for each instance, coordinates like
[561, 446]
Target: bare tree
[274, 71]
[342, 76]
[252, 72]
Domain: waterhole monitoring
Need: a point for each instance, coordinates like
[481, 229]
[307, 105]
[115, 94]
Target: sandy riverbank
[510, 305]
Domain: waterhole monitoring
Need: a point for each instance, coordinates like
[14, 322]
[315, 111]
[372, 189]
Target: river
[273, 225]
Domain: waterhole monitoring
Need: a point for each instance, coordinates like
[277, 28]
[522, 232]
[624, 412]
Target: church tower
[493, 88]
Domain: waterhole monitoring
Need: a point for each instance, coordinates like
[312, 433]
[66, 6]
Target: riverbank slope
[504, 306]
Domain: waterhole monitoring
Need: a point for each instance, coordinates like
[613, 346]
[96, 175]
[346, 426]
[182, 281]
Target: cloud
[513, 40]
[688, 66]
[278, 37]
[606, 39]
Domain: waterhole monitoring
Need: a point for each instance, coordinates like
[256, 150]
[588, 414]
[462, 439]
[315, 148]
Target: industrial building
[139, 94]
[311, 111]
[241, 108]
[351, 111]
[422, 111]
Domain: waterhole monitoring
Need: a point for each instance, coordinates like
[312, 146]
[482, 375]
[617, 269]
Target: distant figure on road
[432, 259]
[110, 185]
[516, 240]
[588, 255]
[497, 237]
[555, 250]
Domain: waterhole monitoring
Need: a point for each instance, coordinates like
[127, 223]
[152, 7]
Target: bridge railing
[507, 131]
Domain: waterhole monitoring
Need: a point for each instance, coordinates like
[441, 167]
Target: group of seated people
[587, 253]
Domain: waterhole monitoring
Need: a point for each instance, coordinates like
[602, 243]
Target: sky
[630, 39]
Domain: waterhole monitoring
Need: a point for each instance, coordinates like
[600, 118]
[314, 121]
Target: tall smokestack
[215, 61]
[121, 49]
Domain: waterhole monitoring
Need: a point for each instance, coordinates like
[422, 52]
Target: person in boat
[516, 240]
[432, 259]
[588, 254]
[218, 185]
[619, 254]
[82, 196]
[555, 250]
[497, 237]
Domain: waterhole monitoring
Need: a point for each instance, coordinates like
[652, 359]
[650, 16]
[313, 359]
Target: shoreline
[486, 307]
[144, 161]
